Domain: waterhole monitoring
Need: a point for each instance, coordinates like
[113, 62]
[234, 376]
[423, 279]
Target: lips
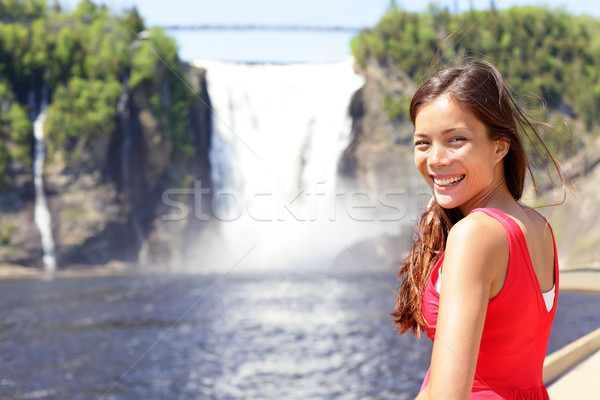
[447, 181]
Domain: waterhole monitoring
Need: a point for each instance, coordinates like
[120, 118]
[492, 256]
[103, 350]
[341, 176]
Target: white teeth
[448, 181]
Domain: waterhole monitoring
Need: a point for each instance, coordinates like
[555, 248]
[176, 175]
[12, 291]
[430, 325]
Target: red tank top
[516, 329]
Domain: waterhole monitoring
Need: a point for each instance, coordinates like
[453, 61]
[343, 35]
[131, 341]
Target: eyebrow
[445, 131]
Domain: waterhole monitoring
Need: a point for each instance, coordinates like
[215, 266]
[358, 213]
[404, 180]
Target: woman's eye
[420, 143]
[457, 139]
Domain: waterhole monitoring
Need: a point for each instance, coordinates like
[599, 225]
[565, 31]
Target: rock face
[575, 223]
[98, 215]
[379, 161]
[20, 241]
[174, 227]
[380, 154]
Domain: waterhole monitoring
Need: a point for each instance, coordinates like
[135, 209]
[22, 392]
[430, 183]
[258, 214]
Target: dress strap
[509, 224]
[516, 239]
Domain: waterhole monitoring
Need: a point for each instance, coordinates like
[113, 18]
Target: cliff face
[575, 223]
[379, 161]
[174, 227]
[19, 238]
[380, 154]
[106, 198]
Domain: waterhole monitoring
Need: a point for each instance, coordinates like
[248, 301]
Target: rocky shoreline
[585, 280]
[12, 271]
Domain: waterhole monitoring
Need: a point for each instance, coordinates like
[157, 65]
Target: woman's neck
[498, 196]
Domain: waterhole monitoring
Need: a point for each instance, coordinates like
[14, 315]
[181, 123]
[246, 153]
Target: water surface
[267, 336]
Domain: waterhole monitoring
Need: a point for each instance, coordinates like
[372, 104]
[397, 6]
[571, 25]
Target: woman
[482, 276]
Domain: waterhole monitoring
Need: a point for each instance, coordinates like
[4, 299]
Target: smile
[445, 182]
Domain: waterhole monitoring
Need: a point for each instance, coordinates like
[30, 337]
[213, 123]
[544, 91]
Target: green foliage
[107, 49]
[13, 51]
[158, 51]
[178, 119]
[542, 53]
[396, 107]
[7, 231]
[72, 213]
[18, 10]
[83, 109]
[133, 20]
[143, 68]
[20, 128]
[155, 62]
[86, 12]
[83, 55]
[15, 132]
[90, 44]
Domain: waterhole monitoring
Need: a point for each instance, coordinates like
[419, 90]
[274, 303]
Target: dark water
[285, 336]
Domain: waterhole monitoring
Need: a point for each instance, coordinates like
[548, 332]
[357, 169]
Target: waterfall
[278, 134]
[124, 121]
[41, 212]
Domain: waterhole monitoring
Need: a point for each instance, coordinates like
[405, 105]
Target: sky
[285, 47]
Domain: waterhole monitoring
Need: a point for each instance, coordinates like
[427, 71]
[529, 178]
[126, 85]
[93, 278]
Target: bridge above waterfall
[263, 27]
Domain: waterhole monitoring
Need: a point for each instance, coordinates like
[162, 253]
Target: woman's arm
[476, 259]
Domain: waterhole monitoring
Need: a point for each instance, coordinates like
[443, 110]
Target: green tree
[134, 20]
[83, 56]
[20, 129]
[15, 132]
[19, 10]
[82, 111]
[543, 54]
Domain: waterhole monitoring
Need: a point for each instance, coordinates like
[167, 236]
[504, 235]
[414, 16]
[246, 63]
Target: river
[282, 335]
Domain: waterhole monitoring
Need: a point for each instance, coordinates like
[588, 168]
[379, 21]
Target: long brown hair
[479, 88]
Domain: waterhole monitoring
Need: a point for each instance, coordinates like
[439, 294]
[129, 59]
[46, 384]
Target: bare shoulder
[478, 248]
[480, 230]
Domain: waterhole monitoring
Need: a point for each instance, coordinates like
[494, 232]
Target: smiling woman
[455, 155]
[491, 311]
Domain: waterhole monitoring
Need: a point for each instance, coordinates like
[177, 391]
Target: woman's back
[540, 245]
[517, 323]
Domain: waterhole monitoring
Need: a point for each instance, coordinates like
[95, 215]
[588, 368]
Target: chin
[447, 203]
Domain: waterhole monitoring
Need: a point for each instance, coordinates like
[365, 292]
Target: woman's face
[454, 154]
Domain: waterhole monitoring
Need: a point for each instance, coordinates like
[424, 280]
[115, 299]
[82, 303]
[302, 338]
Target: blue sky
[289, 46]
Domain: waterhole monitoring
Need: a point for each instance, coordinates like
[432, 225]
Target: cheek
[482, 170]
[420, 163]
[487, 162]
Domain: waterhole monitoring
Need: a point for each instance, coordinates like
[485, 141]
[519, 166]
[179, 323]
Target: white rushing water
[41, 212]
[285, 123]
[278, 134]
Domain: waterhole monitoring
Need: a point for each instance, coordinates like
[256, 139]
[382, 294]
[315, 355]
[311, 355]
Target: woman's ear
[501, 149]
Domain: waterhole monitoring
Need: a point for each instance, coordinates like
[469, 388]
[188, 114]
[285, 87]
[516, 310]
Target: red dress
[516, 329]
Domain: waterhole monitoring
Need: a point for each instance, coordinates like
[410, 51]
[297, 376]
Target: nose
[438, 156]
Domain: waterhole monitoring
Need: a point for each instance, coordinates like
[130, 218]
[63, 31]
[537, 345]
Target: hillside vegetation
[548, 57]
[84, 58]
